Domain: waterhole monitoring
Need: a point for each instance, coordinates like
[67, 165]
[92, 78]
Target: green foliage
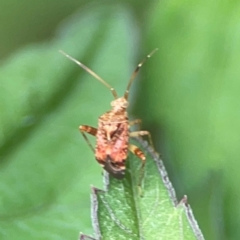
[121, 213]
[196, 106]
[45, 173]
[188, 98]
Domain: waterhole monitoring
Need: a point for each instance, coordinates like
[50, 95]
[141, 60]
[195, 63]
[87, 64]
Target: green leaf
[46, 166]
[45, 171]
[193, 104]
[120, 212]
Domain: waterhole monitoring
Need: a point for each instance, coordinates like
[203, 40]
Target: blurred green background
[187, 95]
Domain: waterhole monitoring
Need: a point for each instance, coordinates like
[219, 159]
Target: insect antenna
[113, 91]
[136, 71]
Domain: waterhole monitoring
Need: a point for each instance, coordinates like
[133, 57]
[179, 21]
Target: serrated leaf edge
[172, 194]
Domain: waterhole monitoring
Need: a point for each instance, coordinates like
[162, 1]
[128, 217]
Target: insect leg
[143, 133]
[138, 152]
[136, 122]
[88, 129]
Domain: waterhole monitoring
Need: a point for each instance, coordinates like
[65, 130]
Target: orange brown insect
[113, 131]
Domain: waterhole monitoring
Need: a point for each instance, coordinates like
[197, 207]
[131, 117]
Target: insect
[113, 131]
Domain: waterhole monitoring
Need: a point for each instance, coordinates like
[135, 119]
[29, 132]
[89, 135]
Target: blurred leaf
[193, 104]
[23, 22]
[120, 212]
[44, 175]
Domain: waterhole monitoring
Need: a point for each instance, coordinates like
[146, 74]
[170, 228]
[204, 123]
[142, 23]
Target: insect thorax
[112, 126]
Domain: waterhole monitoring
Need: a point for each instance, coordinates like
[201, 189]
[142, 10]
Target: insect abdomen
[112, 143]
